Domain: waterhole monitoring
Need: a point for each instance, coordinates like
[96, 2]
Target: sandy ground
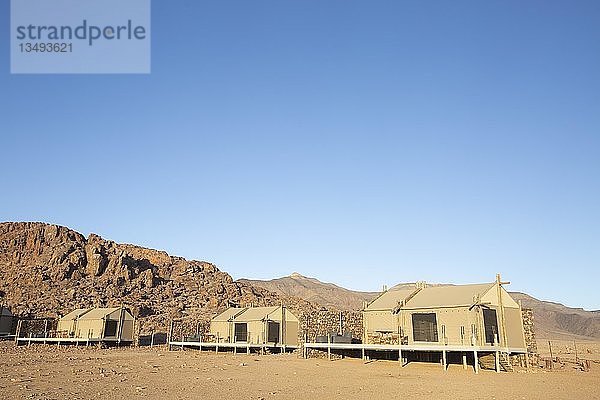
[45, 372]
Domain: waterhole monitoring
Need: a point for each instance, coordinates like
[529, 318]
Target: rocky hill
[313, 290]
[47, 270]
[552, 320]
[556, 321]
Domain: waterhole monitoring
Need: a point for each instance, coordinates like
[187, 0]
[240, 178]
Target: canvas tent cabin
[221, 326]
[6, 321]
[105, 324]
[67, 325]
[458, 315]
[273, 326]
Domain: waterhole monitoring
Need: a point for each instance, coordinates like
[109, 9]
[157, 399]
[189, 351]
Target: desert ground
[49, 372]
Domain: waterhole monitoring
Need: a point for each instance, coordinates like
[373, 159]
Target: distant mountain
[552, 320]
[313, 290]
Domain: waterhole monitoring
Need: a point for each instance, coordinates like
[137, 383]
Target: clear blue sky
[360, 142]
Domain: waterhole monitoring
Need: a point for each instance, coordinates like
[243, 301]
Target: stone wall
[528, 326]
[322, 322]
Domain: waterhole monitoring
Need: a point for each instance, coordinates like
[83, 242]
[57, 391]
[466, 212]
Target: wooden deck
[246, 347]
[75, 341]
[444, 350]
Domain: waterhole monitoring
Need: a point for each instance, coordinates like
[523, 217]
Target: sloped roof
[448, 296]
[390, 299]
[256, 313]
[98, 313]
[226, 315]
[77, 313]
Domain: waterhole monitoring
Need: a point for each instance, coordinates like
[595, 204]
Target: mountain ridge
[311, 289]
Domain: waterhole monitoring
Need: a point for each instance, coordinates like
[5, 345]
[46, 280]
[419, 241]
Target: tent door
[110, 328]
[490, 322]
[273, 332]
[241, 332]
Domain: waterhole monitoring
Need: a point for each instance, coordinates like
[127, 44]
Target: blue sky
[363, 143]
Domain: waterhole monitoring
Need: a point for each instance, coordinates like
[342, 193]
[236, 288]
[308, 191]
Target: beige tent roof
[99, 313]
[390, 299]
[77, 313]
[448, 296]
[226, 315]
[256, 313]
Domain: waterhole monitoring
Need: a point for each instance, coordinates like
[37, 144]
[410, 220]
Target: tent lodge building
[478, 324]
[106, 324]
[85, 325]
[270, 326]
[461, 315]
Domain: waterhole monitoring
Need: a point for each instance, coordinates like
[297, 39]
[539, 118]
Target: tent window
[490, 322]
[273, 332]
[241, 332]
[424, 327]
[110, 328]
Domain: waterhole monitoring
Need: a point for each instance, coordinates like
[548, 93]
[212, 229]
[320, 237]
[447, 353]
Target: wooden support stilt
[304, 350]
[475, 361]
[444, 361]
[19, 323]
[400, 358]
[497, 359]
[329, 347]
[464, 357]
[363, 353]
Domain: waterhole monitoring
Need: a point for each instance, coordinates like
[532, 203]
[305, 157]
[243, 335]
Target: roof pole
[120, 324]
[283, 328]
[499, 284]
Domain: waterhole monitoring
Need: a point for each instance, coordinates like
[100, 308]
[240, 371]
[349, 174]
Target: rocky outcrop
[48, 270]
